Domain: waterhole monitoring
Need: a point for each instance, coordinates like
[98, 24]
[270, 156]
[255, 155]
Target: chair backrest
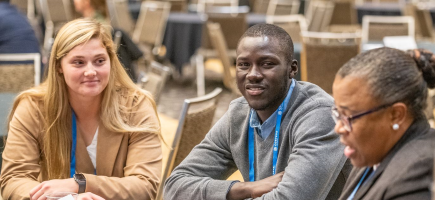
[401, 2]
[151, 23]
[261, 6]
[154, 80]
[18, 77]
[324, 53]
[203, 5]
[120, 15]
[293, 24]
[195, 121]
[344, 13]
[117, 39]
[218, 42]
[232, 26]
[375, 28]
[178, 5]
[57, 11]
[424, 21]
[319, 15]
[6, 102]
[283, 7]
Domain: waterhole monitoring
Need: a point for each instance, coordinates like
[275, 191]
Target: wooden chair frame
[176, 143]
[387, 20]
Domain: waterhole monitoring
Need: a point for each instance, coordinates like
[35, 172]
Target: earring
[395, 127]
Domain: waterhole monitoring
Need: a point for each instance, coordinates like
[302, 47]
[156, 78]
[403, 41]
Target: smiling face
[263, 74]
[371, 136]
[86, 69]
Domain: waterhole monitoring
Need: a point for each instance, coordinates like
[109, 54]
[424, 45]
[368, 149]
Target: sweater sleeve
[21, 156]
[316, 158]
[203, 177]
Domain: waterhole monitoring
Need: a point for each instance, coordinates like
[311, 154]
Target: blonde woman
[87, 128]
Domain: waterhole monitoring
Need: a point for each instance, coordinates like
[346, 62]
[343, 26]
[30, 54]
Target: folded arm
[316, 159]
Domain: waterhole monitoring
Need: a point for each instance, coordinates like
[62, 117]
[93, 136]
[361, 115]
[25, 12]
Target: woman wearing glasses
[380, 96]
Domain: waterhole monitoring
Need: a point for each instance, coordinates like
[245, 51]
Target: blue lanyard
[251, 149]
[73, 147]
[359, 184]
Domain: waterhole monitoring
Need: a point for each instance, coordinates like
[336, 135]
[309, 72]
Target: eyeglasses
[347, 120]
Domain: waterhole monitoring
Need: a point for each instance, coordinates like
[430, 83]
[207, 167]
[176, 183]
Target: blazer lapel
[369, 183]
[351, 184]
[83, 161]
[107, 150]
[416, 129]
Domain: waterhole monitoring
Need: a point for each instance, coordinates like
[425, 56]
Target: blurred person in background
[128, 52]
[96, 9]
[87, 128]
[16, 33]
[380, 97]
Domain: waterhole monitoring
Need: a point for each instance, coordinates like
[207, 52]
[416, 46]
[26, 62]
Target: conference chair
[283, 7]
[203, 6]
[120, 15]
[225, 68]
[16, 77]
[194, 123]
[233, 25]
[324, 53]
[56, 13]
[150, 27]
[293, 24]
[319, 15]
[424, 28]
[375, 28]
[155, 79]
[344, 13]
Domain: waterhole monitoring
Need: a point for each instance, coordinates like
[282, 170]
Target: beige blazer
[128, 164]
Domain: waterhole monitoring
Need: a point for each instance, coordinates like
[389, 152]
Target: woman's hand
[89, 196]
[58, 185]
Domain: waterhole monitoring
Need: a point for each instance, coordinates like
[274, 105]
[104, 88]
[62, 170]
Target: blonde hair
[53, 95]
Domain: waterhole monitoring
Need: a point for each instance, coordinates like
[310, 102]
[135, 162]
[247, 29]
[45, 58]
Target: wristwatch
[81, 180]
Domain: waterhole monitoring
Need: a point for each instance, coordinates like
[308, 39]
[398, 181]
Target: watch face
[79, 177]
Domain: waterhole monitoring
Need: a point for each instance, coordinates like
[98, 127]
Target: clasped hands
[60, 185]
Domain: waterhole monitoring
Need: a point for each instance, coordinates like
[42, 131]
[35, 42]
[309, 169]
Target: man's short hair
[277, 33]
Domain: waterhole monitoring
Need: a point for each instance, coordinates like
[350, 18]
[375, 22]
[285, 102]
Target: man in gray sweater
[279, 134]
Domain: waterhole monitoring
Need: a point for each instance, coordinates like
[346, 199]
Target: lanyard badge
[251, 141]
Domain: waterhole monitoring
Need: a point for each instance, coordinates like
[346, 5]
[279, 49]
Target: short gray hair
[395, 76]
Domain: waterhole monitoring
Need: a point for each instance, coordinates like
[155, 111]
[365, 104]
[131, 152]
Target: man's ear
[293, 68]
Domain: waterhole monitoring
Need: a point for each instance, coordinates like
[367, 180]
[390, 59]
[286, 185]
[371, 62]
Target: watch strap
[81, 180]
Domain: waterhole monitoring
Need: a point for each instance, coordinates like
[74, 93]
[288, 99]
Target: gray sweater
[309, 152]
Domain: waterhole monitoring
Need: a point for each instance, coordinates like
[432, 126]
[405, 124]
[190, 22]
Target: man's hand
[254, 189]
[89, 196]
[58, 185]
